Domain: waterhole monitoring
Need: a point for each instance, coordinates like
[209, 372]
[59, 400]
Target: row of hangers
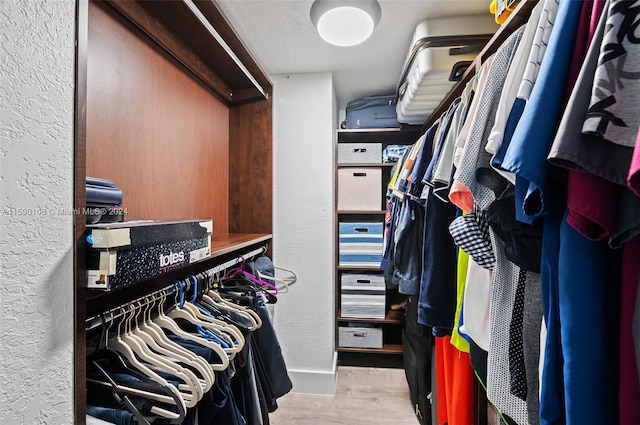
[143, 343]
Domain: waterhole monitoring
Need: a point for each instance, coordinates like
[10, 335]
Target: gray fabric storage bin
[359, 337]
[362, 295]
[359, 153]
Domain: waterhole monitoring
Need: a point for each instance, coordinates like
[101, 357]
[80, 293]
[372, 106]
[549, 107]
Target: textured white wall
[36, 196]
[304, 130]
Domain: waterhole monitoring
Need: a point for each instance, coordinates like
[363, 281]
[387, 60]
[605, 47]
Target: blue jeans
[115, 416]
[407, 259]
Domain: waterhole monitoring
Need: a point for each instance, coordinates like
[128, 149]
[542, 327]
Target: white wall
[36, 196]
[304, 131]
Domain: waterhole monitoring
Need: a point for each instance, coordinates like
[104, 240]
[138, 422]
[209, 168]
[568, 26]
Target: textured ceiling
[282, 39]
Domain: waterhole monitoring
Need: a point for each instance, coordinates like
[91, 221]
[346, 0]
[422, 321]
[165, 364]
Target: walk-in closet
[245, 212]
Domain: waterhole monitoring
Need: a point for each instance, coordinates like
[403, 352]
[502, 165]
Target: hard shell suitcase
[371, 112]
[438, 57]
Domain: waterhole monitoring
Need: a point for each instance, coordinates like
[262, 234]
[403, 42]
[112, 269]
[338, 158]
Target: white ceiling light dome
[345, 22]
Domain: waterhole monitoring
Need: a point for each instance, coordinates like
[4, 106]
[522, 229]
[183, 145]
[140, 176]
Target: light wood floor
[364, 396]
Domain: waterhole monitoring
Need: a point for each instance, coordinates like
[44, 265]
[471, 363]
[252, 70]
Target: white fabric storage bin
[359, 153]
[355, 336]
[360, 189]
[362, 295]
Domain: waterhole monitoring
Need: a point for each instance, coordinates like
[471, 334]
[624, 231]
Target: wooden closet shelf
[360, 268]
[391, 317]
[232, 242]
[223, 248]
[366, 164]
[362, 212]
[380, 135]
[386, 349]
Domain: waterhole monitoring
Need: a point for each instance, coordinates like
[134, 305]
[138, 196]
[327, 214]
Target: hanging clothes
[550, 277]
[207, 357]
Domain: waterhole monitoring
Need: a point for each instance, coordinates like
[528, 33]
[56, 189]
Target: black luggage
[417, 343]
[371, 112]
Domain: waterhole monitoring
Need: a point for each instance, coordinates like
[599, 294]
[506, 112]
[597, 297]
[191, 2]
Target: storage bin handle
[359, 174]
[362, 150]
[363, 281]
[361, 229]
[360, 334]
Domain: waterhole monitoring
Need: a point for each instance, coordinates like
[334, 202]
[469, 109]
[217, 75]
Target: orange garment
[461, 196]
[454, 384]
[440, 381]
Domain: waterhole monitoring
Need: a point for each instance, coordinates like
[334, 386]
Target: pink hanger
[253, 278]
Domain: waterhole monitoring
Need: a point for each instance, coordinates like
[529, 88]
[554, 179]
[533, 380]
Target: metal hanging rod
[116, 312]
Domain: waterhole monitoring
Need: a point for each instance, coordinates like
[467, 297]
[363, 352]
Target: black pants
[417, 341]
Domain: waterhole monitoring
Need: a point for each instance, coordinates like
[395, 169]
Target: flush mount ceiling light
[345, 22]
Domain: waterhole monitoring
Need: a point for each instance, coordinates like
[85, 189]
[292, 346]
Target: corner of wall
[315, 382]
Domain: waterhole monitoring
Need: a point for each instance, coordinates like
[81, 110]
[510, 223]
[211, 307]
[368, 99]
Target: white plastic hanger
[282, 283]
[167, 323]
[116, 344]
[192, 390]
[194, 386]
[158, 342]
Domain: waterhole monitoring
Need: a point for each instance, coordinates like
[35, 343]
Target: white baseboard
[314, 381]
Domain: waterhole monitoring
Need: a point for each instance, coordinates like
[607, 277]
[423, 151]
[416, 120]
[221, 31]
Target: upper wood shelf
[198, 36]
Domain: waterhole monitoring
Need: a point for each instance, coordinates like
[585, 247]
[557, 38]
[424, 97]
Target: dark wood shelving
[168, 102]
[223, 244]
[386, 349]
[408, 134]
[392, 317]
[361, 212]
[366, 164]
[393, 321]
[360, 268]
